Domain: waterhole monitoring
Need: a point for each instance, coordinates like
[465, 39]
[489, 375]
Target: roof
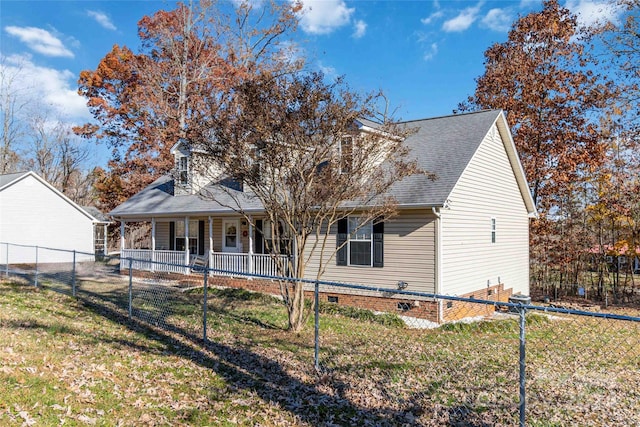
[443, 146]
[158, 198]
[96, 213]
[8, 180]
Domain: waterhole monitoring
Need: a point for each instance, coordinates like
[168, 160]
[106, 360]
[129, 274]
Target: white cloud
[324, 16]
[360, 29]
[429, 19]
[463, 21]
[498, 20]
[102, 19]
[431, 52]
[328, 71]
[590, 12]
[39, 40]
[51, 88]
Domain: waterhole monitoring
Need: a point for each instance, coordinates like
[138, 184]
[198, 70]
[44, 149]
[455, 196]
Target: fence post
[36, 278]
[73, 275]
[522, 310]
[204, 306]
[316, 353]
[130, 286]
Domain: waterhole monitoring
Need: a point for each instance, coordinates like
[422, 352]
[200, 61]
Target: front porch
[231, 247]
[222, 264]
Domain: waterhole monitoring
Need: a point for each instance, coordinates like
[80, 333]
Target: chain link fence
[377, 356]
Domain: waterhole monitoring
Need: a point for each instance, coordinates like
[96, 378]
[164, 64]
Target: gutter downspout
[438, 261]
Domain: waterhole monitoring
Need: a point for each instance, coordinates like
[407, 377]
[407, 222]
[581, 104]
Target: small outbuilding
[35, 214]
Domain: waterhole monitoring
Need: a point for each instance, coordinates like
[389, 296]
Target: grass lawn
[81, 362]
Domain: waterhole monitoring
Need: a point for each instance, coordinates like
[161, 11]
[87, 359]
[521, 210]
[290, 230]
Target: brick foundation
[456, 310]
[411, 307]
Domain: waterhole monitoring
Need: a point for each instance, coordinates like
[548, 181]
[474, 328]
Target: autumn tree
[547, 82]
[294, 144]
[542, 78]
[143, 103]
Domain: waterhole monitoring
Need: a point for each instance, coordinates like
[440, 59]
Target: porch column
[106, 247]
[210, 242]
[250, 253]
[153, 244]
[186, 242]
[122, 241]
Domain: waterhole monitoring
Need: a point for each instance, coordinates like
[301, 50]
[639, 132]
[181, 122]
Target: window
[230, 236]
[193, 236]
[270, 238]
[493, 230]
[346, 154]
[360, 243]
[183, 170]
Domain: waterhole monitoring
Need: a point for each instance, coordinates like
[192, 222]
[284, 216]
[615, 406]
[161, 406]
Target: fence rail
[520, 353]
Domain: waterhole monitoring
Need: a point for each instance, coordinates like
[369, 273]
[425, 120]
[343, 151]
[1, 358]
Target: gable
[504, 163]
[23, 179]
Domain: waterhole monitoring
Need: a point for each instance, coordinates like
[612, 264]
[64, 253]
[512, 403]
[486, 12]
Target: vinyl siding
[162, 233]
[409, 255]
[487, 189]
[32, 214]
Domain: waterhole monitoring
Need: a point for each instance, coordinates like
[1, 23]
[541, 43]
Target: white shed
[33, 213]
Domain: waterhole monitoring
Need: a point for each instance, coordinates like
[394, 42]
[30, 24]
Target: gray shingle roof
[442, 145]
[158, 199]
[10, 177]
[96, 213]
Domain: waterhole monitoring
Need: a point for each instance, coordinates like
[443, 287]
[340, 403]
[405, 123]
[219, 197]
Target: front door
[230, 236]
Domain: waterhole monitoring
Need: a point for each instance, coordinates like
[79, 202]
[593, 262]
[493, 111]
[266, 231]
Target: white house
[34, 213]
[465, 233]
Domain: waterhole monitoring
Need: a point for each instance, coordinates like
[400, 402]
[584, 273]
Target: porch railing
[147, 260]
[228, 264]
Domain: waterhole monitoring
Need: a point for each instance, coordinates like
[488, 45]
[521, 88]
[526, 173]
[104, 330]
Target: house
[619, 257]
[34, 213]
[465, 233]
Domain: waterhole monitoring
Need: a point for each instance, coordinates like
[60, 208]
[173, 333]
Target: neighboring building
[465, 233]
[619, 257]
[34, 213]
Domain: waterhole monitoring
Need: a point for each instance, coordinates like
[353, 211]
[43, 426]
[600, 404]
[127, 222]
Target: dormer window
[346, 154]
[183, 170]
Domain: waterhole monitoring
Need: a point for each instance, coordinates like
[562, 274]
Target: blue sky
[424, 55]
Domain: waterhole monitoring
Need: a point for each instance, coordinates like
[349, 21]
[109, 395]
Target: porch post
[122, 241]
[186, 243]
[210, 242]
[106, 247]
[153, 244]
[250, 253]
[122, 244]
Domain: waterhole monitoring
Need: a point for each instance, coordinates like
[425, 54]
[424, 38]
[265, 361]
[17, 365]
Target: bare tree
[59, 156]
[13, 102]
[297, 145]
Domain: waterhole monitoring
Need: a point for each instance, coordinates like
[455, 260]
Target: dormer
[193, 169]
[182, 173]
[365, 146]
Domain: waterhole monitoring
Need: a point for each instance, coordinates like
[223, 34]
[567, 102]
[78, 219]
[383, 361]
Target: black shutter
[172, 236]
[200, 237]
[341, 238]
[378, 244]
[257, 241]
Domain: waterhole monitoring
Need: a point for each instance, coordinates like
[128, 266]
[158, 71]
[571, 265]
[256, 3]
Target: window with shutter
[360, 243]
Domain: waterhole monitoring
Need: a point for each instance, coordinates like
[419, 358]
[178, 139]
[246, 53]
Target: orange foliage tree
[143, 103]
[546, 81]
